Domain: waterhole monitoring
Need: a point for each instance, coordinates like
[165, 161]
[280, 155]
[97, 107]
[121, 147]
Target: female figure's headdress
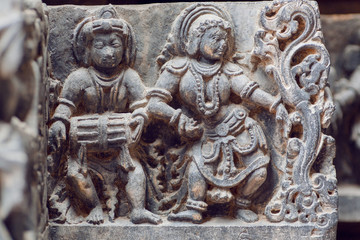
[106, 21]
[189, 27]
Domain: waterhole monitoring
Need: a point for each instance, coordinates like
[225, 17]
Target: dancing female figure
[228, 148]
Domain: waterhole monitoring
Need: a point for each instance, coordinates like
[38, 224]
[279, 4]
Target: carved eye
[116, 44]
[98, 45]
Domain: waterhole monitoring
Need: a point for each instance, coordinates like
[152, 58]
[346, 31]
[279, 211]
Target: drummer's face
[107, 50]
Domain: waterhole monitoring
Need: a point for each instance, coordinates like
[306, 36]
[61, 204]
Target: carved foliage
[290, 48]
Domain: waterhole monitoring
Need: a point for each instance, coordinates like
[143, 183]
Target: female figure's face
[107, 50]
[213, 44]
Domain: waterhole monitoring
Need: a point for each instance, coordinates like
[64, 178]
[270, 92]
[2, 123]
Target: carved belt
[221, 169]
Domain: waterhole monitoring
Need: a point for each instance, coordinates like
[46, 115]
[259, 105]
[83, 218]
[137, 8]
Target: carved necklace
[105, 81]
[206, 108]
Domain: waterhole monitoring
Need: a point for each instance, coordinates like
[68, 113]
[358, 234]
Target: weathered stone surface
[234, 100]
[151, 24]
[217, 228]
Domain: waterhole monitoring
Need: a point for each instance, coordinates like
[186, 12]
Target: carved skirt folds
[231, 150]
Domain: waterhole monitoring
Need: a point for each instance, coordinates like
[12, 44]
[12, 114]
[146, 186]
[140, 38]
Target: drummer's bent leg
[136, 187]
[83, 188]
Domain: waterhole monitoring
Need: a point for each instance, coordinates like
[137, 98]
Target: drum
[100, 132]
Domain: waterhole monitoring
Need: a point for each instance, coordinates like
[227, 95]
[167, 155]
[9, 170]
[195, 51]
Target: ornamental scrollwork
[289, 47]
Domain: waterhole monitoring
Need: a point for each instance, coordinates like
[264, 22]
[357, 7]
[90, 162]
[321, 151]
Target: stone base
[217, 228]
[349, 203]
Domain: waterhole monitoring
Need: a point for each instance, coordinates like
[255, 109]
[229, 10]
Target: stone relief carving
[291, 48]
[221, 132]
[228, 149]
[99, 120]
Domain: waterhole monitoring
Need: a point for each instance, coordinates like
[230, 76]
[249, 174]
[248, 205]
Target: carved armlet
[248, 89]
[138, 104]
[161, 93]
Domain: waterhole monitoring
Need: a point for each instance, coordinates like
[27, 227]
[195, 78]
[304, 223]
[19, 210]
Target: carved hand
[57, 135]
[189, 128]
[137, 124]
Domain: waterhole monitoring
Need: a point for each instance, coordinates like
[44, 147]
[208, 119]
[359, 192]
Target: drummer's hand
[137, 125]
[57, 135]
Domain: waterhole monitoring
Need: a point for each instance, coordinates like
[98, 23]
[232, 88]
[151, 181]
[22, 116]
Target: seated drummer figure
[227, 147]
[100, 117]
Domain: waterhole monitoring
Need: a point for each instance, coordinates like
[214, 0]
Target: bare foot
[247, 215]
[188, 216]
[95, 216]
[144, 216]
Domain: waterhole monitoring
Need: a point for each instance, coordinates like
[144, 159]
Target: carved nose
[108, 52]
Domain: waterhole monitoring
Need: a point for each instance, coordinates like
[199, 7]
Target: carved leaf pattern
[289, 47]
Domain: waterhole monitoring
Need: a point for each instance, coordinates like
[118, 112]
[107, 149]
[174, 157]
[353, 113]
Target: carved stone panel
[197, 113]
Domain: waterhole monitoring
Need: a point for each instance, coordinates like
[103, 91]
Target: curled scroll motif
[290, 48]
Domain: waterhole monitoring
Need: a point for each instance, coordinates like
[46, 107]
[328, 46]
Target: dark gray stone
[217, 228]
[228, 103]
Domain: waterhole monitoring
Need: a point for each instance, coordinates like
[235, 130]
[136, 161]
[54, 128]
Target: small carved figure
[101, 116]
[228, 147]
